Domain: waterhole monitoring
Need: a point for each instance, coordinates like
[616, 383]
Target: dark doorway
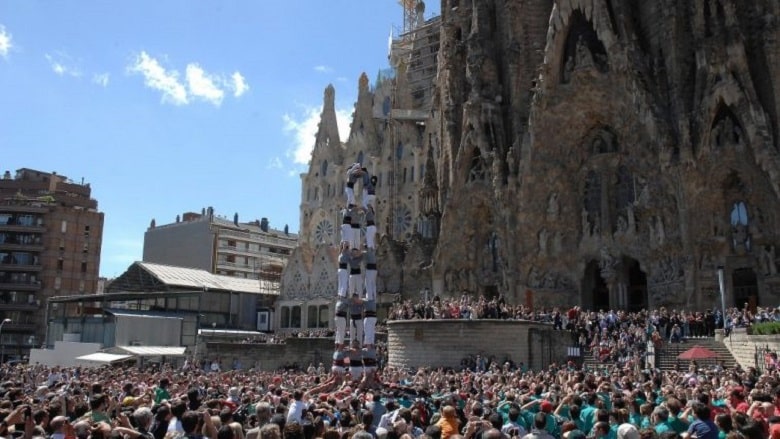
[491, 292]
[594, 288]
[637, 286]
[745, 288]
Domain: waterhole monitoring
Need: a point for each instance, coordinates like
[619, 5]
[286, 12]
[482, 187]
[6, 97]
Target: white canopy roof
[103, 357]
[153, 351]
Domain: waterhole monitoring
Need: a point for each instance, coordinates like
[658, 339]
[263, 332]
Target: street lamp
[2, 345]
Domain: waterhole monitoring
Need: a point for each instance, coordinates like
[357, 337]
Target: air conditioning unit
[136, 343]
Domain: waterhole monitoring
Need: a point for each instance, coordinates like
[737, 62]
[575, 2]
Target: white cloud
[304, 127]
[158, 78]
[101, 79]
[239, 84]
[196, 85]
[323, 69]
[62, 64]
[6, 43]
[202, 85]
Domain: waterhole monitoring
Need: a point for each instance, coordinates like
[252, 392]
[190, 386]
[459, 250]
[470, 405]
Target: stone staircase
[667, 358]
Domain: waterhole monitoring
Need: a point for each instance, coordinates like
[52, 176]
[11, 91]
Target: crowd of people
[487, 398]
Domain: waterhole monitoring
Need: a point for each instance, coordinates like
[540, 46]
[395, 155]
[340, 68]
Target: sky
[170, 106]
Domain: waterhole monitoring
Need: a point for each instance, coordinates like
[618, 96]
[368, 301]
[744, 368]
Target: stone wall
[270, 356]
[445, 343]
[743, 346]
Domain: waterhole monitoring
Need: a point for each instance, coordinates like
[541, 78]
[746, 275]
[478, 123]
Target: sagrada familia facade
[605, 153]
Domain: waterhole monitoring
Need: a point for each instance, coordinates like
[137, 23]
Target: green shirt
[161, 394]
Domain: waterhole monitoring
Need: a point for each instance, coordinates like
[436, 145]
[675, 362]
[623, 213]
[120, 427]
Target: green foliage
[767, 328]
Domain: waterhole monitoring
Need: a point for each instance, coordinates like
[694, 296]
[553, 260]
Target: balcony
[34, 207]
[20, 267]
[264, 254]
[36, 228]
[19, 327]
[15, 285]
[286, 242]
[11, 246]
[25, 307]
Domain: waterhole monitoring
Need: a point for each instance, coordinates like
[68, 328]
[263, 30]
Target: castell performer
[355, 361]
[369, 189]
[353, 173]
[370, 227]
[346, 224]
[341, 300]
[369, 304]
[356, 321]
[343, 273]
[355, 278]
[338, 369]
[369, 367]
[355, 225]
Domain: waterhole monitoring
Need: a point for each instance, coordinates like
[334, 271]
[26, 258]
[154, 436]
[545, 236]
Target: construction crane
[413, 14]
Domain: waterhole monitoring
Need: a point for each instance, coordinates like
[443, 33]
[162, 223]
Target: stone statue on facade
[553, 208]
[767, 260]
[543, 242]
[584, 56]
[607, 264]
[586, 226]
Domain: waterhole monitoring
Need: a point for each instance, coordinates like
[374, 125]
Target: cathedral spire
[328, 132]
[429, 193]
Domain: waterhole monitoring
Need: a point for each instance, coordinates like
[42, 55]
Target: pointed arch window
[593, 196]
[324, 168]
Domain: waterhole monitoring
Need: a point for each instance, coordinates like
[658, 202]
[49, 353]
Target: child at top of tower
[369, 189]
[353, 172]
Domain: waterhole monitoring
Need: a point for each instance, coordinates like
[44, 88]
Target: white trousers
[356, 331]
[350, 195]
[371, 236]
[355, 237]
[367, 199]
[369, 331]
[341, 329]
[356, 372]
[346, 233]
[355, 284]
[343, 282]
[370, 284]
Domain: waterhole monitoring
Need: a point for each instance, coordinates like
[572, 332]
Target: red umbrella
[697, 353]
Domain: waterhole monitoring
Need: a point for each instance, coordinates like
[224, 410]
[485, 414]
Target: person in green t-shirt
[161, 392]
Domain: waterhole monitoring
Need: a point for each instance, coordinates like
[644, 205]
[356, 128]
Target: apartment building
[222, 246]
[50, 240]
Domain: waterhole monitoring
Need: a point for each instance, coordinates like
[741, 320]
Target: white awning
[102, 357]
[153, 351]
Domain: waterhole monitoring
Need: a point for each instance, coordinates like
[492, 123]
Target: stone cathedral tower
[607, 153]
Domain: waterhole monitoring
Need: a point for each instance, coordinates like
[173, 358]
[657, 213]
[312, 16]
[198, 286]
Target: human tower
[355, 354]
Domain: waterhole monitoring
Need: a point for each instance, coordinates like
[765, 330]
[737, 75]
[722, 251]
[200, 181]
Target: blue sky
[165, 106]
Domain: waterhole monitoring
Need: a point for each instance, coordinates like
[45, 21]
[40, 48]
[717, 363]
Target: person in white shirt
[297, 407]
